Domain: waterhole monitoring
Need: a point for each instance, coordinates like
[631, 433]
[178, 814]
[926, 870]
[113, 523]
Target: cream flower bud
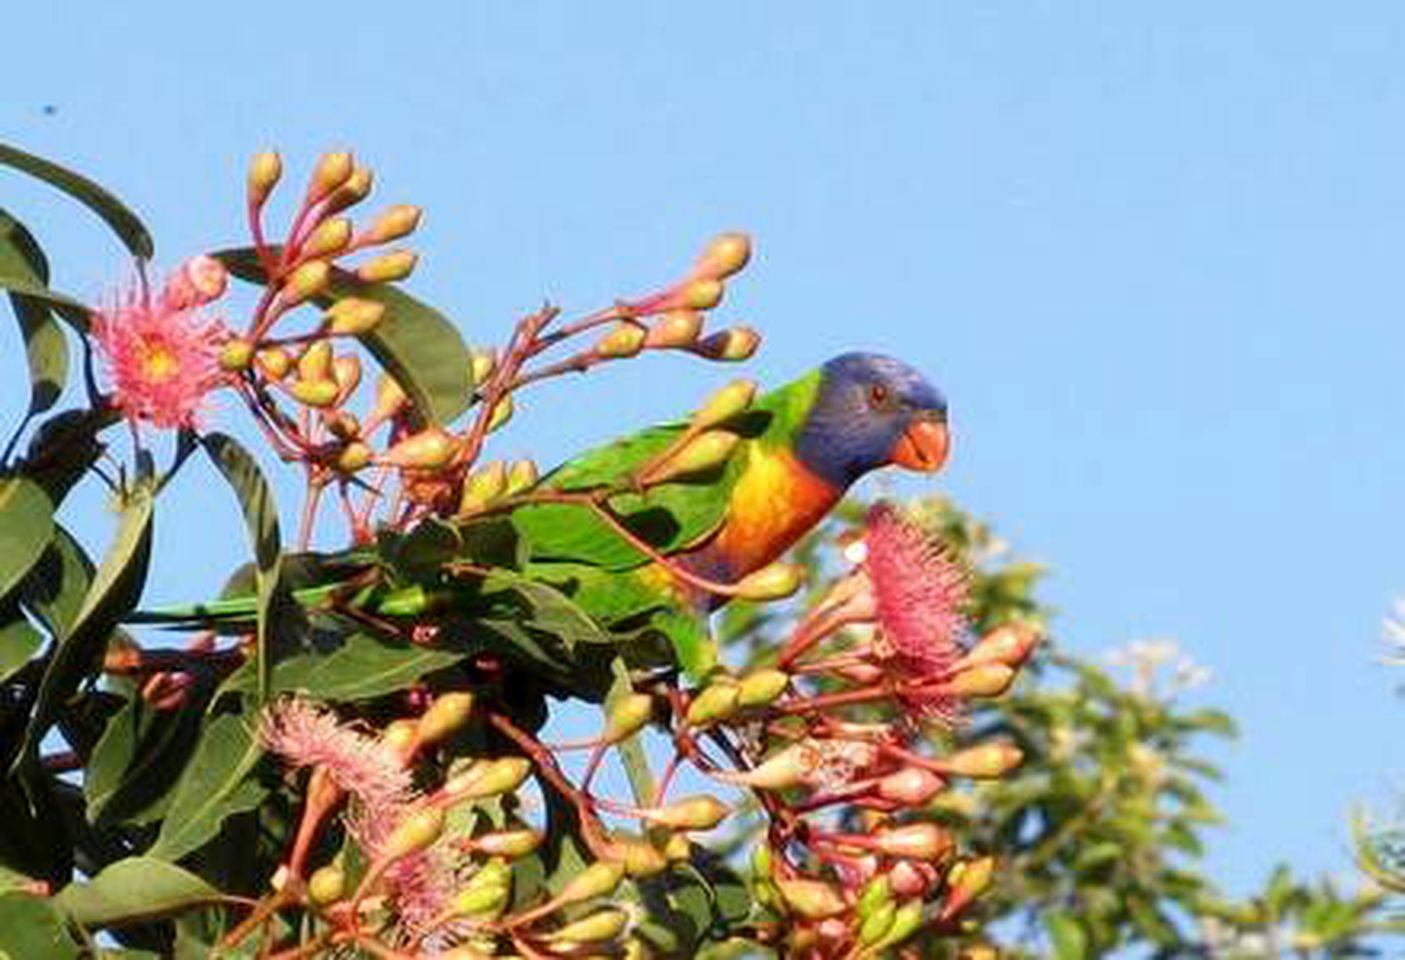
[388, 267]
[265, 170]
[332, 171]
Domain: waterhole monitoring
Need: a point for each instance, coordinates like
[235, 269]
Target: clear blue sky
[1153, 257]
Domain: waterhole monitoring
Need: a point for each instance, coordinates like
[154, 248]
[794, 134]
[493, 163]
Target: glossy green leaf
[543, 608]
[55, 588]
[46, 350]
[113, 212]
[32, 929]
[134, 889]
[361, 668]
[415, 343]
[115, 588]
[26, 527]
[136, 762]
[64, 448]
[214, 786]
[261, 518]
[1066, 934]
[19, 642]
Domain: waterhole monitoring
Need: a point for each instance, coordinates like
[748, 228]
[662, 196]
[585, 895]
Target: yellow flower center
[158, 362]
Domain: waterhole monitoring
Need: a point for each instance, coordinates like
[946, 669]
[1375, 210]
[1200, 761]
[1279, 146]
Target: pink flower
[373, 773]
[920, 593]
[307, 735]
[162, 355]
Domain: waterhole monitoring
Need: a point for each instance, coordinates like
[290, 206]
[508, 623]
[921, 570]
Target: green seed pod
[316, 361]
[713, 703]
[484, 487]
[774, 582]
[877, 922]
[510, 844]
[236, 355]
[415, 832]
[907, 920]
[726, 403]
[627, 716]
[388, 267]
[761, 688]
[602, 925]
[354, 316]
[705, 453]
[326, 885]
[693, 813]
[811, 899]
[489, 778]
[447, 713]
[522, 475]
[597, 880]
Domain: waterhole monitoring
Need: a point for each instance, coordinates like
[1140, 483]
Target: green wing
[669, 517]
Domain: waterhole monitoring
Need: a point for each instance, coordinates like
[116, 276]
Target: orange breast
[776, 502]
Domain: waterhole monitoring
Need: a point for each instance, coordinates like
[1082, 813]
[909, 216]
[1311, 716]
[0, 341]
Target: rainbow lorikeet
[800, 449]
[804, 445]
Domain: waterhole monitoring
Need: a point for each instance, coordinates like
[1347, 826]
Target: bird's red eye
[878, 396]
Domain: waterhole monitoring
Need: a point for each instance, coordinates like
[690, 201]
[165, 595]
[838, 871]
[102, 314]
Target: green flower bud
[602, 925]
[396, 222]
[811, 899]
[733, 399]
[705, 453]
[411, 601]
[674, 330]
[265, 170]
[626, 340]
[980, 680]
[914, 841]
[967, 884]
[986, 761]
[640, 858]
[354, 457]
[316, 361]
[429, 449]
[354, 316]
[481, 900]
[791, 766]
[415, 832]
[274, 362]
[484, 487]
[701, 294]
[693, 813]
[510, 844]
[502, 414]
[907, 920]
[236, 355]
[388, 267]
[447, 713]
[731, 345]
[309, 280]
[522, 475]
[877, 922]
[678, 848]
[627, 716]
[315, 393]
[329, 239]
[482, 364]
[715, 702]
[726, 255]
[356, 188]
[326, 885]
[774, 582]
[876, 893]
[597, 880]
[332, 170]
[760, 688]
[488, 778]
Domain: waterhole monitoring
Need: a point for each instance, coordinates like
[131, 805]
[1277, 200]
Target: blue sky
[1153, 257]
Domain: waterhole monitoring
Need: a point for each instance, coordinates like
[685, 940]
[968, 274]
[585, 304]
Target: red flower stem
[315, 486]
[261, 248]
[592, 765]
[591, 830]
[262, 912]
[669, 772]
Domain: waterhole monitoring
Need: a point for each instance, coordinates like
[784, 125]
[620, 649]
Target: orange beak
[923, 446]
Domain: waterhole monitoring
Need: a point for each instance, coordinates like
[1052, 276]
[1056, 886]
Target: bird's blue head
[872, 411]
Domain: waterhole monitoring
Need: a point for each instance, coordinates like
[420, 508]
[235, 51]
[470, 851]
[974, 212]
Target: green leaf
[31, 929]
[415, 343]
[215, 786]
[19, 642]
[360, 669]
[134, 889]
[1069, 940]
[114, 591]
[26, 527]
[55, 588]
[136, 761]
[261, 517]
[113, 212]
[44, 343]
[545, 608]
